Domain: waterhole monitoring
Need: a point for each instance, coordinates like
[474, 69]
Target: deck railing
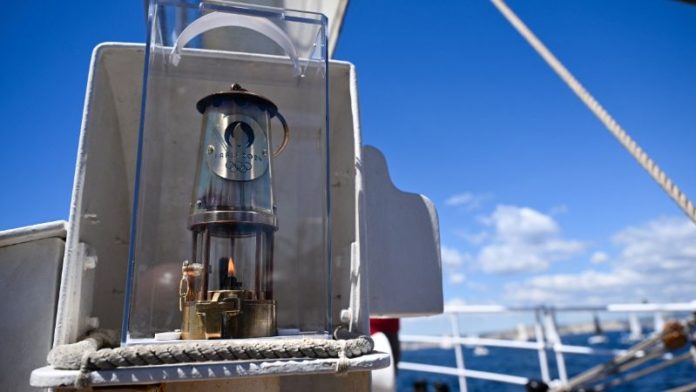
[546, 337]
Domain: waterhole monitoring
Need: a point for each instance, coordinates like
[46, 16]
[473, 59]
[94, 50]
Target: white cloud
[662, 244]
[524, 240]
[452, 257]
[522, 222]
[599, 258]
[473, 238]
[467, 200]
[656, 262]
[457, 278]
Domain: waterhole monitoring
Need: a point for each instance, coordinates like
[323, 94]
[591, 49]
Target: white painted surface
[167, 336]
[100, 204]
[46, 377]
[403, 246]
[40, 231]
[418, 367]
[384, 380]
[29, 279]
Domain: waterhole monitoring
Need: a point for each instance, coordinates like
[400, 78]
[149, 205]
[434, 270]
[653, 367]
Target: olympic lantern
[226, 290]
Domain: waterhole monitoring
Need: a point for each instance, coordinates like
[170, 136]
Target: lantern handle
[218, 19]
[286, 135]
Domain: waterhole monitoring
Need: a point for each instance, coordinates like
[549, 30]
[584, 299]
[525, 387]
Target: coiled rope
[88, 354]
[595, 107]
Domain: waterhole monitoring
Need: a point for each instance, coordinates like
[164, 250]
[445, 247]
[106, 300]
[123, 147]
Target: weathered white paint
[46, 377]
[403, 246]
[29, 280]
[40, 231]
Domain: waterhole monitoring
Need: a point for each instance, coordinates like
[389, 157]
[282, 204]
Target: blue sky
[537, 202]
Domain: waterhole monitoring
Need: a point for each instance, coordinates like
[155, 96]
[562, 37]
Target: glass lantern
[230, 226]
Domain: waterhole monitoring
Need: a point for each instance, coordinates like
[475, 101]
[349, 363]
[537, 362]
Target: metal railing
[546, 337]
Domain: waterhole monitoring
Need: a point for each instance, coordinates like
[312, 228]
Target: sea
[525, 363]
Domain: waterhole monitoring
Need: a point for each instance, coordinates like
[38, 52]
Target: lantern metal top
[236, 91]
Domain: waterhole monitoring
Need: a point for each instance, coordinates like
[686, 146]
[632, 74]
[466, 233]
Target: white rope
[96, 352]
[633, 148]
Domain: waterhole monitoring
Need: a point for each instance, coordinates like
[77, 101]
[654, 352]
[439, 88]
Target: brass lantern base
[228, 314]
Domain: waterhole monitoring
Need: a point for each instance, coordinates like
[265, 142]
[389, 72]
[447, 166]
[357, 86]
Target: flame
[230, 267]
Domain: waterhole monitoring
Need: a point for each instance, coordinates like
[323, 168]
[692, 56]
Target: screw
[211, 149]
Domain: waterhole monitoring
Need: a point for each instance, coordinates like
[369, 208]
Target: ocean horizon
[525, 363]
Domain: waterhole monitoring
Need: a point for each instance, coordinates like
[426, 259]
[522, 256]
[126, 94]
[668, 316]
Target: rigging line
[633, 148]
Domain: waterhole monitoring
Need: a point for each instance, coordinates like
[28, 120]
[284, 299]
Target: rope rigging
[596, 108]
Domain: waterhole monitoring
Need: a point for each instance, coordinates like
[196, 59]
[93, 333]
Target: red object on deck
[386, 325]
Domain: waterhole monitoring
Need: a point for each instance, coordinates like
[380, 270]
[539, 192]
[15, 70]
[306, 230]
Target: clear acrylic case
[229, 235]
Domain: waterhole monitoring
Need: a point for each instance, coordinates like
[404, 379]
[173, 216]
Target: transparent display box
[230, 217]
